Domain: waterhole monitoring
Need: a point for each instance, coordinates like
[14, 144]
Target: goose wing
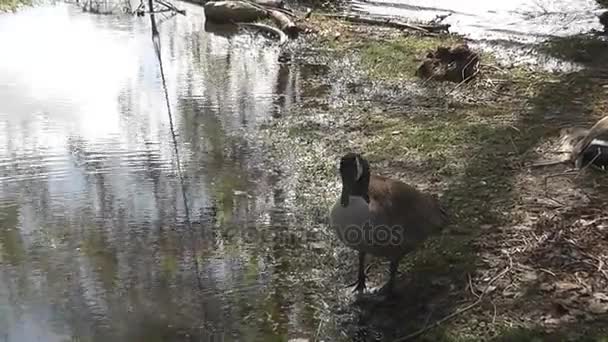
[398, 204]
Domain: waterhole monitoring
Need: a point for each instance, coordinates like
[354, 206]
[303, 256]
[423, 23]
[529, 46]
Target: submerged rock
[454, 64]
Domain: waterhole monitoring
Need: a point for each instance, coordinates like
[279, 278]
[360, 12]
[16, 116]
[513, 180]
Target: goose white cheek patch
[599, 142]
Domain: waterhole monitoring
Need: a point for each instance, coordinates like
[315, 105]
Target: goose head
[354, 172]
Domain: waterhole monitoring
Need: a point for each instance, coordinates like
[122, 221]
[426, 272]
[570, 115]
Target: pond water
[95, 243]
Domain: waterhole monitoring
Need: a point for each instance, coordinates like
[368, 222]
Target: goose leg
[361, 276]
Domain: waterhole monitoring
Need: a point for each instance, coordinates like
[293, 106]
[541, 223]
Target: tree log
[223, 12]
[284, 22]
[270, 3]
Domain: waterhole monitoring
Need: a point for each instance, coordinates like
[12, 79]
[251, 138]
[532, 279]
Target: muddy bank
[472, 144]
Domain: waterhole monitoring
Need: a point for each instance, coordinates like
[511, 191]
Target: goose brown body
[411, 214]
[406, 215]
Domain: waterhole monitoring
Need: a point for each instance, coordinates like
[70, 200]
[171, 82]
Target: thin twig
[589, 164]
[318, 330]
[561, 174]
[457, 312]
[468, 78]
[559, 203]
[472, 288]
[491, 66]
[427, 79]
[515, 149]
[549, 163]
[424, 28]
[473, 58]
[547, 271]
[600, 263]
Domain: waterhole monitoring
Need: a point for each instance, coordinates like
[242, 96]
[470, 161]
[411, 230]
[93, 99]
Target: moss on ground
[12, 5]
[400, 57]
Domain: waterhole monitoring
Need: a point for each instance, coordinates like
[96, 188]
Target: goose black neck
[361, 188]
[354, 171]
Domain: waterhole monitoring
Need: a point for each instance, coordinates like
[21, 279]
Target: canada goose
[593, 147]
[381, 216]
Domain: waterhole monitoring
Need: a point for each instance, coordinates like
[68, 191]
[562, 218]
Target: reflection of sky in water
[481, 19]
[99, 62]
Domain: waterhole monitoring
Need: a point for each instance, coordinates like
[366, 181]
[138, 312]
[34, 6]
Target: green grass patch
[393, 136]
[399, 58]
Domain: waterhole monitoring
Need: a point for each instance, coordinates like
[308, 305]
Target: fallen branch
[439, 18]
[550, 162]
[426, 28]
[171, 7]
[243, 12]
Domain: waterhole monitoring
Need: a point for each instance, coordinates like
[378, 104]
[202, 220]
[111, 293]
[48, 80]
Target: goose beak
[344, 198]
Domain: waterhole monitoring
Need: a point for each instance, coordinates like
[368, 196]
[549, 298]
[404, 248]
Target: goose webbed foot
[360, 283]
